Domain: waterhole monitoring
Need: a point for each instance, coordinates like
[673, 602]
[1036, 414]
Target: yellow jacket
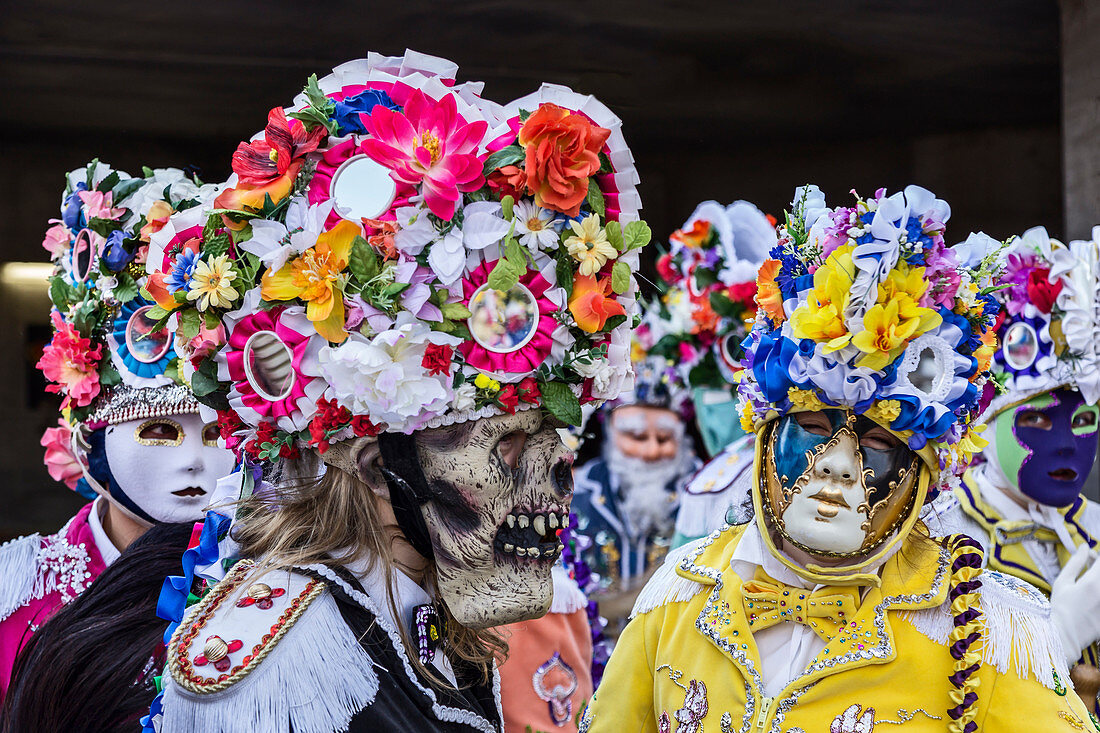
[687, 662]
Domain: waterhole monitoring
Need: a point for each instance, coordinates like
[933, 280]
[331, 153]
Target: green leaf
[205, 379]
[705, 277]
[614, 322]
[620, 277]
[60, 293]
[455, 311]
[85, 316]
[211, 320]
[102, 227]
[320, 109]
[125, 189]
[595, 197]
[510, 155]
[615, 234]
[215, 241]
[504, 276]
[108, 375]
[180, 296]
[561, 402]
[506, 208]
[636, 234]
[605, 163]
[523, 115]
[156, 313]
[109, 182]
[127, 288]
[247, 265]
[564, 269]
[363, 262]
[190, 321]
[394, 289]
[172, 371]
[723, 306]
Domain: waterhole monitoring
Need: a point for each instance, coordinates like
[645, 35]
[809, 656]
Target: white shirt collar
[107, 549]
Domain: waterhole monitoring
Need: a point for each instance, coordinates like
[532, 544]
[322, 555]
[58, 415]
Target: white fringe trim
[314, 681]
[18, 573]
[568, 596]
[666, 586]
[443, 712]
[1018, 629]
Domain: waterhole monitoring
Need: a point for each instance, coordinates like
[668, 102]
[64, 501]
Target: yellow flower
[884, 336]
[483, 381]
[589, 245]
[822, 316]
[211, 283]
[747, 423]
[805, 399]
[314, 276]
[884, 412]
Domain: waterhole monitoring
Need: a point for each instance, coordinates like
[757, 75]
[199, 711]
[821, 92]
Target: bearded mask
[492, 495]
[1045, 447]
[836, 484]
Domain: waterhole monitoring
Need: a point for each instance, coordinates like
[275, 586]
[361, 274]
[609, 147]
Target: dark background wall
[719, 100]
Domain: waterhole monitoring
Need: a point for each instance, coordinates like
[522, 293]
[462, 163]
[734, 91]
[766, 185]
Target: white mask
[168, 466]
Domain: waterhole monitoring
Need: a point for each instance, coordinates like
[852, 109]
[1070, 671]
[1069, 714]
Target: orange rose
[695, 237]
[768, 295]
[562, 153]
[706, 320]
[590, 304]
[155, 219]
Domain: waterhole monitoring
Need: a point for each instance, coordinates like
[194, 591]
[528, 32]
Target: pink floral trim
[298, 344]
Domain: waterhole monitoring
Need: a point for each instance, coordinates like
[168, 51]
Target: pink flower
[71, 363]
[57, 240]
[60, 461]
[430, 144]
[205, 343]
[97, 205]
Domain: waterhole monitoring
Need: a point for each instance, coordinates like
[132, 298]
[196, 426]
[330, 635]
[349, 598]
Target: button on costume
[832, 610]
[412, 297]
[1022, 501]
[131, 436]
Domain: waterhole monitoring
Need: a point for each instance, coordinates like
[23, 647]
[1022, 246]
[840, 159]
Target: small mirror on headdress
[1021, 346]
[84, 255]
[729, 348]
[144, 343]
[362, 189]
[928, 367]
[503, 321]
[268, 366]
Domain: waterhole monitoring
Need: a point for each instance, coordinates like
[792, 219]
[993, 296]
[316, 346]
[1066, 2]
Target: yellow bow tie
[825, 610]
[1006, 532]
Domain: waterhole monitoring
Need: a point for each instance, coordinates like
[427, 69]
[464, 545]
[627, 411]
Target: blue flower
[181, 273]
[71, 208]
[347, 112]
[114, 254]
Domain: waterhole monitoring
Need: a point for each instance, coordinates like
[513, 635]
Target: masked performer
[132, 436]
[1023, 501]
[409, 277]
[833, 610]
[699, 323]
[626, 499]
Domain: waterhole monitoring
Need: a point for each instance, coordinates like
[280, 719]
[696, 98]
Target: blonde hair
[336, 517]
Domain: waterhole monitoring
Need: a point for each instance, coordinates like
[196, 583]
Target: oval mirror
[501, 321]
[1021, 346]
[146, 345]
[269, 366]
[362, 189]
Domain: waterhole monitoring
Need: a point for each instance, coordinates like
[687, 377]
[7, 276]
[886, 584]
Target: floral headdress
[1048, 324]
[108, 358]
[394, 252]
[865, 307]
[708, 305]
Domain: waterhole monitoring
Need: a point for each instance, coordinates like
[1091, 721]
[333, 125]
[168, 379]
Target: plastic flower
[695, 237]
[262, 161]
[591, 303]
[805, 399]
[429, 144]
[182, 271]
[61, 463]
[57, 241]
[97, 205]
[385, 378]
[589, 245]
[822, 317]
[212, 283]
[561, 153]
[884, 337]
[536, 227]
[71, 363]
[314, 276]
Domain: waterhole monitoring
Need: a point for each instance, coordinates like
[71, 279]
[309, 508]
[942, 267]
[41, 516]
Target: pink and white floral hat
[394, 252]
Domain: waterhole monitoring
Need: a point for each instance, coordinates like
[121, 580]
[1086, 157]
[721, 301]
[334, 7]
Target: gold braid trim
[967, 632]
[179, 661]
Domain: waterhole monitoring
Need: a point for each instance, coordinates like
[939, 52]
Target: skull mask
[499, 491]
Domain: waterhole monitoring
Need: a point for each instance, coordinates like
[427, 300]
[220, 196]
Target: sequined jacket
[688, 662]
[38, 575]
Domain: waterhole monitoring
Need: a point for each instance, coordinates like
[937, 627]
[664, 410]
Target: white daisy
[537, 228]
